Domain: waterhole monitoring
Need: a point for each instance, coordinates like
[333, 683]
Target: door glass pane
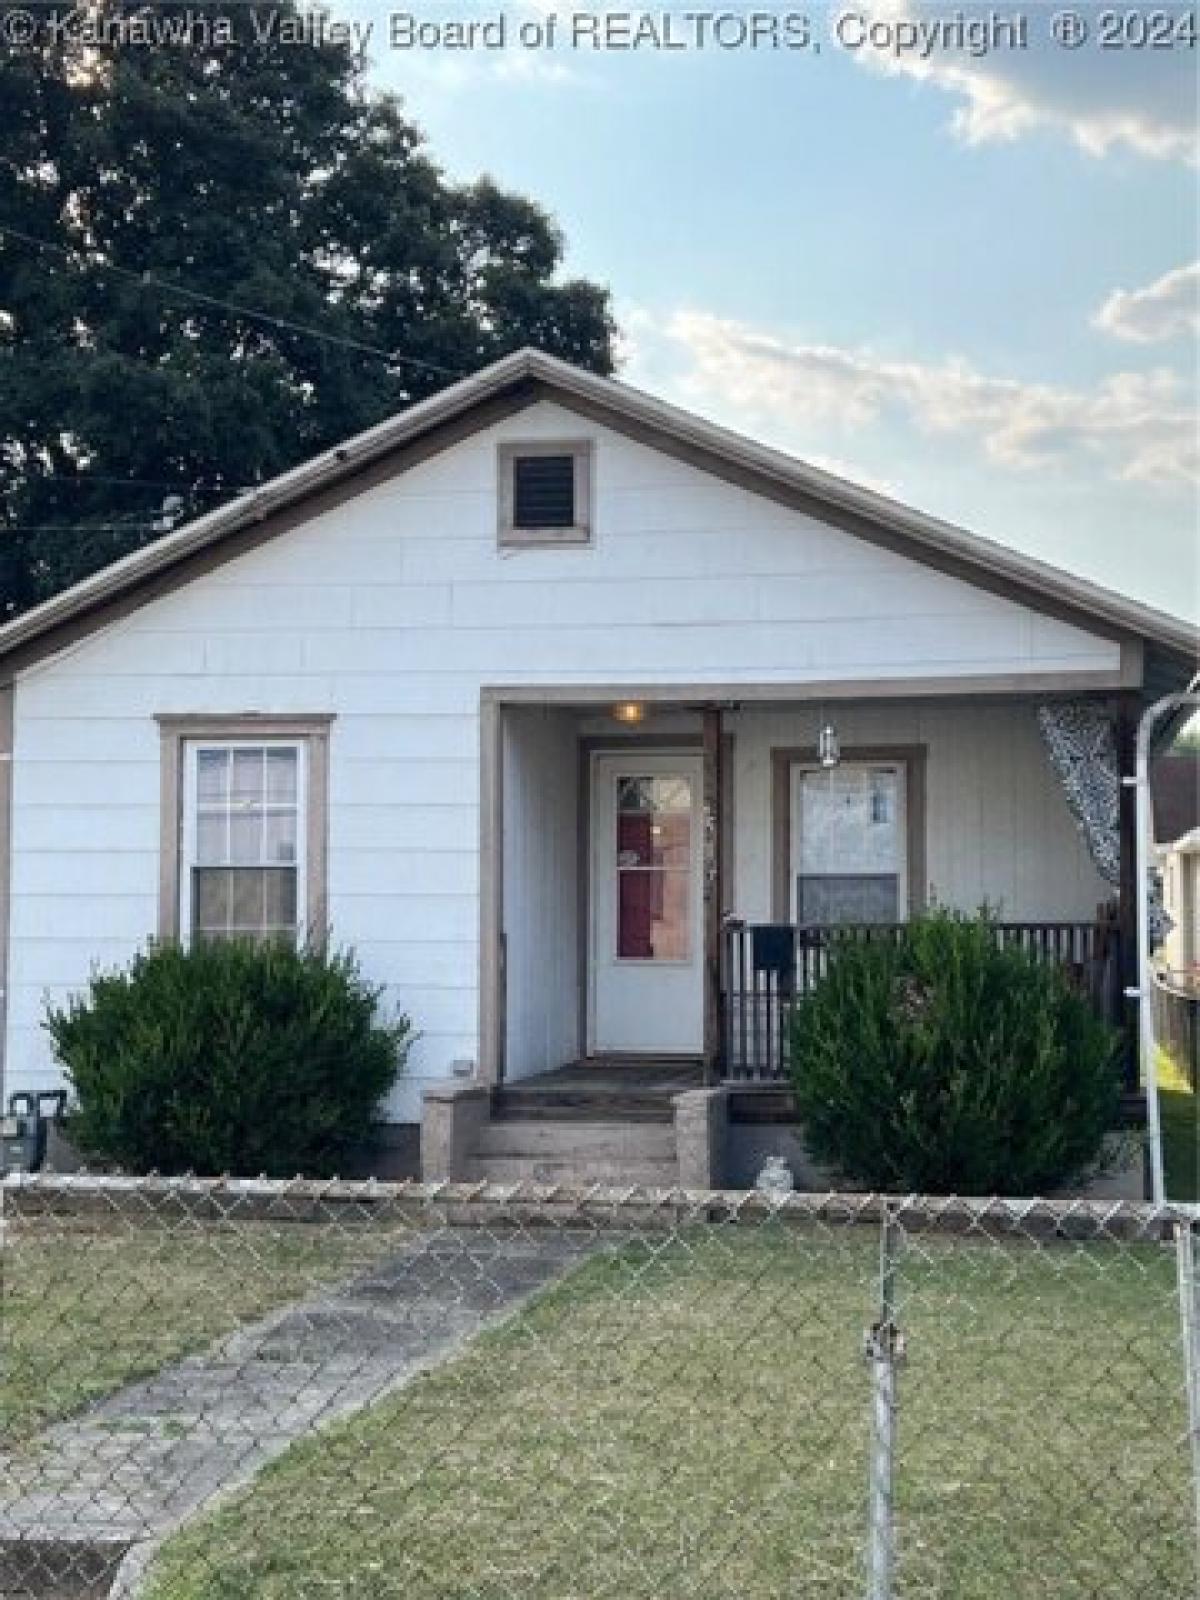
[654, 868]
[655, 839]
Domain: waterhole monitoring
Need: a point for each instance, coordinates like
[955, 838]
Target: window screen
[544, 491]
[848, 857]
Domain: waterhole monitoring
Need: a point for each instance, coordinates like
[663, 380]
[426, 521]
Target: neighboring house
[523, 694]
[1175, 785]
[1179, 863]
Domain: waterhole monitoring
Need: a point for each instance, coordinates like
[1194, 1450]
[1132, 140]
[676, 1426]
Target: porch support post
[1128, 710]
[713, 747]
[490, 1067]
[6, 779]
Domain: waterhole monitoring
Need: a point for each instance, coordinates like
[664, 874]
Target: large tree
[169, 184]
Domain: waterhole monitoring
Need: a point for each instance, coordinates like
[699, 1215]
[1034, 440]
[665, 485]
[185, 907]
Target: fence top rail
[737, 925]
[1013, 1213]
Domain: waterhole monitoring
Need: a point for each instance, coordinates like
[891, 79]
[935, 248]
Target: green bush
[228, 1057]
[942, 1063]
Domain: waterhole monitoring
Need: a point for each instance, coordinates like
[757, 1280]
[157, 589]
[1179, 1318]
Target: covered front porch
[664, 874]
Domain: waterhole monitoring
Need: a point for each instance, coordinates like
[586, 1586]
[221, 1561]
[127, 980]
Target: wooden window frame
[507, 455]
[310, 731]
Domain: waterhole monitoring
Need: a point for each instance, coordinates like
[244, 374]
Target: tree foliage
[253, 172]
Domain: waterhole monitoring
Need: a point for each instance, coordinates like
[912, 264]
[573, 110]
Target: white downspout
[1140, 783]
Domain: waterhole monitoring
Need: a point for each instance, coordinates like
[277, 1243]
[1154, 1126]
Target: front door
[646, 939]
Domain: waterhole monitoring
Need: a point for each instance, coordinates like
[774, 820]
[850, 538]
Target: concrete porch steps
[565, 1151]
[599, 1090]
[615, 1124]
[588, 1105]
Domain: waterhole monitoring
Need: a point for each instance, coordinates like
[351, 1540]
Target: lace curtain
[1081, 740]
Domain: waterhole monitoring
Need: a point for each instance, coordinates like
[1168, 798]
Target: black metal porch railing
[767, 967]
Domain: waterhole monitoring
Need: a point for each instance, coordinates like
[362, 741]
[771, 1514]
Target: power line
[96, 527]
[81, 480]
[149, 281]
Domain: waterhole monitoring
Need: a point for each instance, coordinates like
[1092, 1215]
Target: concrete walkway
[95, 1496]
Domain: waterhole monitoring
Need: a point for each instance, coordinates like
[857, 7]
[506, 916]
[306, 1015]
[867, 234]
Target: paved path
[128, 1471]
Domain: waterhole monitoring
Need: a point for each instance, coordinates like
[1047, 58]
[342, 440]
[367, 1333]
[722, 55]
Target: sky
[966, 278]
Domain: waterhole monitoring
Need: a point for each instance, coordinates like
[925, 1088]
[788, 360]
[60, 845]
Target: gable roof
[511, 384]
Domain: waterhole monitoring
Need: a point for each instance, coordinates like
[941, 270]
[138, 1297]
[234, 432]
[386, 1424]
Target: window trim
[507, 454]
[911, 757]
[311, 731]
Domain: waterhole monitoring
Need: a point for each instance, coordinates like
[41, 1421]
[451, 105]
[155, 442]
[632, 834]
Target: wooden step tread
[593, 1105]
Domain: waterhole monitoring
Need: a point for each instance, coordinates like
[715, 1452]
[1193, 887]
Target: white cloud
[1168, 308]
[1142, 99]
[1134, 426]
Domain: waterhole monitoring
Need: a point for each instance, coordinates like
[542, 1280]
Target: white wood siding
[997, 825]
[392, 611]
[541, 889]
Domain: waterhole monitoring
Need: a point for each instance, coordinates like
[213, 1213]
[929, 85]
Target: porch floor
[601, 1089]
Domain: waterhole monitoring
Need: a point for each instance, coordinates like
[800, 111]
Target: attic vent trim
[544, 492]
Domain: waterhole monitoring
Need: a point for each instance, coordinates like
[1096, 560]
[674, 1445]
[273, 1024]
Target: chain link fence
[222, 1390]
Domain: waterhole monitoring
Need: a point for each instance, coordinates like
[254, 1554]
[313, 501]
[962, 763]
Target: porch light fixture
[630, 711]
[829, 749]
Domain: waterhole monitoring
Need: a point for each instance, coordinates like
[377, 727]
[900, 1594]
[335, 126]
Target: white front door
[646, 939]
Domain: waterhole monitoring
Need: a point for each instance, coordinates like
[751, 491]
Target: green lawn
[1181, 1131]
[688, 1421]
[87, 1307]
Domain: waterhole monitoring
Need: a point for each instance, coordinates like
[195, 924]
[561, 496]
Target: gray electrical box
[23, 1128]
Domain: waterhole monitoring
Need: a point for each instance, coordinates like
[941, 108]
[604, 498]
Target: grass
[1180, 1131]
[688, 1420]
[89, 1307]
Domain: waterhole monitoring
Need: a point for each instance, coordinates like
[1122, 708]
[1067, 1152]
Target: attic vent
[544, 492]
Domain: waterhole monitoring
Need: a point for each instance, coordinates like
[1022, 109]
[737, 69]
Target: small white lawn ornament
[775, 1179]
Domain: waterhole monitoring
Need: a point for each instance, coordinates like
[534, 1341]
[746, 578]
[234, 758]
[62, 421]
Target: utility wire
[95, 527]
[81, 480]
[165, 286]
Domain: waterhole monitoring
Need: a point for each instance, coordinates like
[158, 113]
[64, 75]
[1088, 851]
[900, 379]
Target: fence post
[1187, 1236]
[884, 1351]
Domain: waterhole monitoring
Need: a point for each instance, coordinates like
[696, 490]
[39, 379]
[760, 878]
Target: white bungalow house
[582, 720]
